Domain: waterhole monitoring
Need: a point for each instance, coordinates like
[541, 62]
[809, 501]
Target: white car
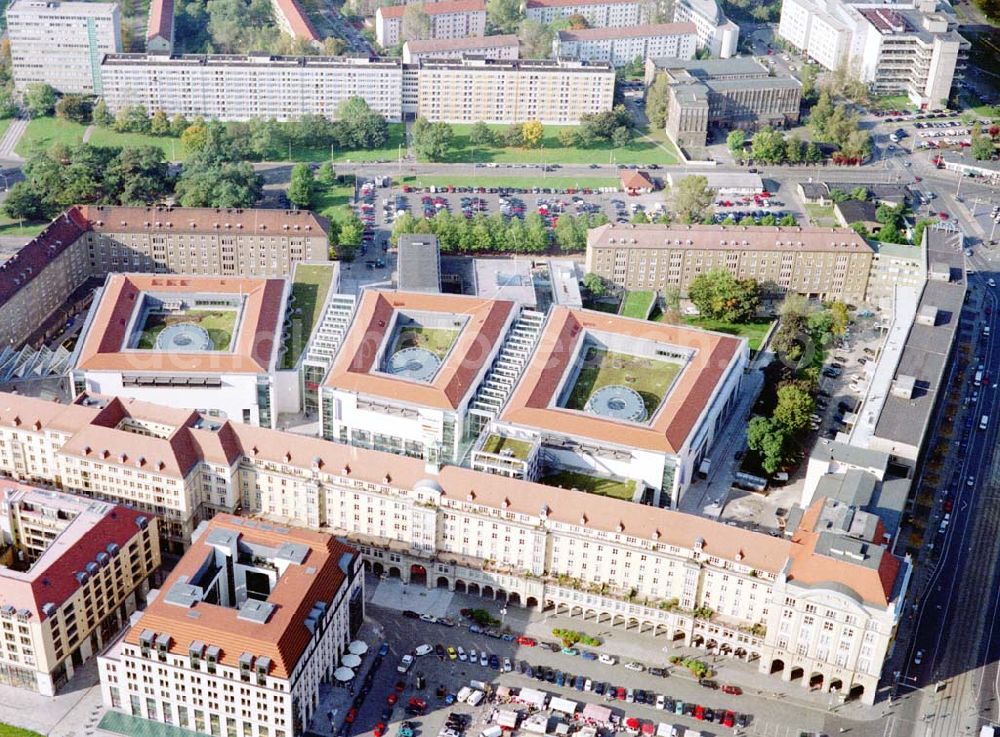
[588, 685]
[507, 666]
[405, 663]
[990, 283]
[423, 650]
[607, 659]
[661, 701]
[473, 656]
[637, 667]
[918, 658]
[461, 654]
[428, 618]
[484, 659]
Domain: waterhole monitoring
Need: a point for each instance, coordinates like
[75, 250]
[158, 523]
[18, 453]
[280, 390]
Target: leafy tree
[137, 176]
[504, 15]
[808, 79]
[793, 150]
[240, 26]
[416, 24]
[513, 137]
[795, 405]
[691, 199]
[159, 124]
[640, 218]
[860, 194]
[597, 127]
[820, 114]
[657, 100]
[568, 137]
[8, 106]
[813, 154]
[861, 230]
[982, 147]
[918, 231]
[195, 137]
[597, 285]
[349, 238]
[74, 107]
[132, 119]
[480, 134]
[888, 214]
[622, 136]
[790, 338]
[24, 202]
[225, 184]
[39, 99]
[788, 220]
[532, 133]
[360, 127]
[432, 141]
[857, 144]
[302, 185]
[766, 439]
[535, 38]
[577, 22]
[325, 175]
[178, 124]
[768, 145]
[721, 296]
[735, 141]
[841, 318]
[891, 234]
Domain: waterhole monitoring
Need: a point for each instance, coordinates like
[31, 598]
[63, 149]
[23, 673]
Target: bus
[979, 379]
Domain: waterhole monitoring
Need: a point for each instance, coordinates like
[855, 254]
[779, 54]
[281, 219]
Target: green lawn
[13, 228]
[388, 152]
[551, 151]
[821, 215]
[649, 377]
[436, 340]
[528, 181]
[43, 132]
[754, 332]
[591, 484]
[9, 730]
[220, 325]
[172, 148]
[309, 290]
[892, 102]
[637, 304]
[334, 202]
[498, 443]
[4, 125]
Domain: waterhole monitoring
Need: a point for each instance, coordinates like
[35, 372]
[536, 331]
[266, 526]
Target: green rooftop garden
[649, 377]
[220, 325]
[638, 303]
[436, 340]
[309, 290]
[618, 489]
[498, 443]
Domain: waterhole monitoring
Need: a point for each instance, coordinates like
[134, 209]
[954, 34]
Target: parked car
[732, 690]
[633, 666]
[607, 659]
[423, 650]
[405, 663]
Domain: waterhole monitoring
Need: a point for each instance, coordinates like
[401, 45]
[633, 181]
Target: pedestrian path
[9, 141]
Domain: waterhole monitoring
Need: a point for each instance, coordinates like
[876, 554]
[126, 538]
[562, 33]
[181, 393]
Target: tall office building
[62, 43]
[716, 33]
[448, 19]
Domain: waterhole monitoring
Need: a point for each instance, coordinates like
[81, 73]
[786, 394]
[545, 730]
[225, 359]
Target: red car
[732, 690]
[948, 505]
[391, 699]
[400, 685]
[526, 641]
[352, 714]
[620, 694]
[729, 719]
[416, 703]
[699, 713]
[943, 215]
[380, 729]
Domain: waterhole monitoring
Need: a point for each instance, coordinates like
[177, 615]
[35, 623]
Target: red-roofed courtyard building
[255, 616]
[72, 570]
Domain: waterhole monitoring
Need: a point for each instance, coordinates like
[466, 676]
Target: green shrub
[572, 637]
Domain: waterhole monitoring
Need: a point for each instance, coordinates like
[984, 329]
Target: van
[475, 698]
[984, 422]
[491, 731]
[979, 379]
[986, 330]
[463, 694]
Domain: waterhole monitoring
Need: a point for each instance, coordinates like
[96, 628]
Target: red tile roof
[635, 180]
[284, 637]
[29, 261]
[570, 3]
[648, 30]
[112, 219]
[531, 404]
[297, 19]
[254, 342]
[447, 6]
[52, 578]
[354, 368]
[161, 20]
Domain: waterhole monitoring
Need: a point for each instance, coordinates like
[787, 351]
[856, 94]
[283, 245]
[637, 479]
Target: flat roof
[573, 3]
[648, 30]
[722, 237]
[257, 329]
[436, 8]
[705, 69]
[425, 46]
[354, 368]
[282, 635]
[418, 265]
[533, 403]
[928, 347]
[68, 8]
[505, 278]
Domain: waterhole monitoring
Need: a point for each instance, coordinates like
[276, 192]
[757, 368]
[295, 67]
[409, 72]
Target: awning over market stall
[532, 697]
[632, 723]
[563, 705]
[597, 714]
[507, 718]
[648, 728]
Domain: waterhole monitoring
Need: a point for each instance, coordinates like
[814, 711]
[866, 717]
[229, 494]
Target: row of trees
[835, 124]
[774, 438]
[769, 146]
[497, 234]
[721, 296]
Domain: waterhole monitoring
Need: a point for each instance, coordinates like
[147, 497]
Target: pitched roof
[533, 401]
[432, 8]
[161, 20]
[644, 31]
[284, 636]
[112, 219]
[722, 237]
[258, 326]
[354, 368]
[636, 180]
[35, 255]
[570, 3]
[51, 579]
[297, 19]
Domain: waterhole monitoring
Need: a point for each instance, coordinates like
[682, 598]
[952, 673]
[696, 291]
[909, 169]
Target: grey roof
[968, 161]
[764, 83]
[814, 190]
[505, 279]
[855, 487]
[419, 263]
[925, 355]
[184, 594]
[832, 450]
[854, 211]
[849, 549]
[889, 502]
[708, 9]
[224, 538]
[706, 69]
[294, 552]
[256, 611]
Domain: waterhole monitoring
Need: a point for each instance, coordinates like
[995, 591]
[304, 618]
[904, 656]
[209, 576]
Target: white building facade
[716, 33]
[599, 13]
[621, 46]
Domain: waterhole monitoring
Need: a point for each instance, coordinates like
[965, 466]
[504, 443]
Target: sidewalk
[10, 139]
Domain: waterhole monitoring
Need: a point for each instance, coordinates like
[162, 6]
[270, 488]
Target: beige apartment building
[92, 241]
[599, 13]
[247, 626]
[820, 263]
[489, 47]
[72, 570]
[449, 19]
[62, 43]
[554, 92]
[256, 86]
[820, 604]
[621, 46]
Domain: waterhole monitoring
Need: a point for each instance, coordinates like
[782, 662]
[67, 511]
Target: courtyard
[650, 378]
[436, 340]
[219, 324]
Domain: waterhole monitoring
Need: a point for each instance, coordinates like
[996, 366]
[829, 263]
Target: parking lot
[436, 678]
